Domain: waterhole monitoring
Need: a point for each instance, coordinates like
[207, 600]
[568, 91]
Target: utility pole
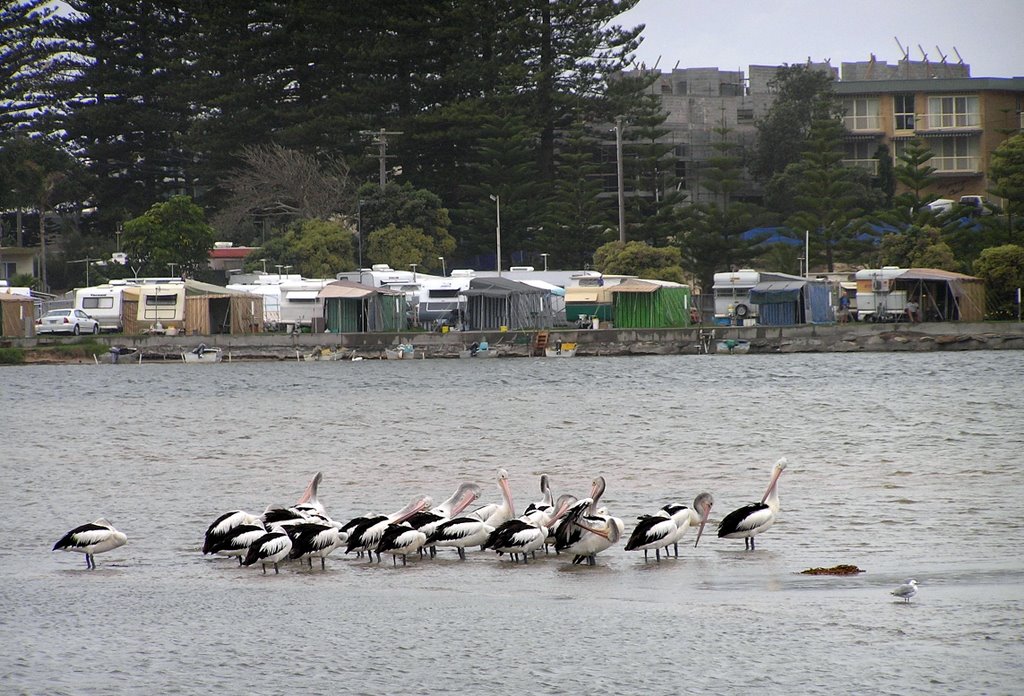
[381, 140]
[621, 185]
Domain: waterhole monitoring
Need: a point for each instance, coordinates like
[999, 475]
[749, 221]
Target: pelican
[694, 516]
[400, 540]
[427, 520]
[524, 537]
[494, 514]
[311, 539]
[283, 516]
[272, 547]
[459, 533]
[237, 541]
[366, 535]
[90, 539]
[547, 500]
[654, 532]
[586, 529]
[221, 527]
[309, 502]
[906, 591]
[750, 520]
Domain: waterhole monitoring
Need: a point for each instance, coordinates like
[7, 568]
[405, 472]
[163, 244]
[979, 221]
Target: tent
[212, 309]
[350, 307]
[943, 295]
[492, 303]
[650, 304]
[17, 315]
[793, 300]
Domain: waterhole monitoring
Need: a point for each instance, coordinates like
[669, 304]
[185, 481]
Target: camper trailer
[299, 304]
[877, 298]
[732, 296]
[104, 304]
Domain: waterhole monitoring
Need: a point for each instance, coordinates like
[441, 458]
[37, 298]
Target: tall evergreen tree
[28, 65]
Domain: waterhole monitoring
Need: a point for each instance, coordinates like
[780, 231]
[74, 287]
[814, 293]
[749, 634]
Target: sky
[734, 34]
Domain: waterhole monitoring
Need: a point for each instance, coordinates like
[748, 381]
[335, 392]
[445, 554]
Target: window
[861, 154]
[744, 115]
[8, 270]
[903, 111]
[161, 300]
[956, 155]
[97, 303]
[862, 114]
[953, 112]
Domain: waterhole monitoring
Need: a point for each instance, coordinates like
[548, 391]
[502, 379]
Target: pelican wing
[744, 519]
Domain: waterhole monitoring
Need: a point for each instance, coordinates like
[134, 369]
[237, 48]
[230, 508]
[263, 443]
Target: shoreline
[830, 338]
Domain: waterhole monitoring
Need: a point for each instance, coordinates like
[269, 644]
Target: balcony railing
[946, 121]
[863, 123]
[869, 165]
[956, 164]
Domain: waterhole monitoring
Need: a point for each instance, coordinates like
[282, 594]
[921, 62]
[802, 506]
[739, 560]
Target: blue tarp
[786, 302]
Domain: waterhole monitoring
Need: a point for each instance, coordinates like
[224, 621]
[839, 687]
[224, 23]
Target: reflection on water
[907, 465]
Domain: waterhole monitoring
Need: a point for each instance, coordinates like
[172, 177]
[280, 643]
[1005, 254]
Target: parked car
[72, 321]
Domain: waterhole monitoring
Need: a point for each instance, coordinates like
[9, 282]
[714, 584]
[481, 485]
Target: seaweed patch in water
[834, 570]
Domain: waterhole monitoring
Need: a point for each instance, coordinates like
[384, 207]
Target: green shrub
[12, 356]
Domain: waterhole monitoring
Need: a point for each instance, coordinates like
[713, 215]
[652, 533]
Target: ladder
[540, 342]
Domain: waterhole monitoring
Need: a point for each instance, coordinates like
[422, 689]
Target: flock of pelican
[580, 528]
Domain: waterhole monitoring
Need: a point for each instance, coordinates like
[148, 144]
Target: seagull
[90, 539]
[906, 591]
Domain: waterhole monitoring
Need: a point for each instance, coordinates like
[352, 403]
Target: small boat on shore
[730, 346]
[203, 354]
[404, 351]
[479, 350]
[325, 353]
[561, 350]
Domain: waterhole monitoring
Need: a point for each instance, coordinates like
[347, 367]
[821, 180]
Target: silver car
[72, 321]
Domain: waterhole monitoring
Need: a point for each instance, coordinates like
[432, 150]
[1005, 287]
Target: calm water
[907, 465]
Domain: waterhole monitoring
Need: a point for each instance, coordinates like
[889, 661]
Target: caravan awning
[777, 291]
[303, 295]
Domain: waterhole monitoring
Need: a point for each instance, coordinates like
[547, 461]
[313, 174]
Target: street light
[279, 266]
[172, 266]
[264, 265]
[497, 228]
[443, 271]
[545, 257]
[413, 267]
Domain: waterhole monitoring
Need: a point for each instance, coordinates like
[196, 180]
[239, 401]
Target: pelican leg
[403, 559]
[462, 553]
[239, 561]
[323, 563]
[264, 568]
[677, 549]
[645, 555]
[310, 559]
[657, 555]
[276, 571]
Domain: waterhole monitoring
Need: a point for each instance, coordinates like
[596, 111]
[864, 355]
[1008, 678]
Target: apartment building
[961, 119]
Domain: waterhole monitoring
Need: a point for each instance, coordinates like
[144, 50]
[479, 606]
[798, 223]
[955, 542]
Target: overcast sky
[731, 34]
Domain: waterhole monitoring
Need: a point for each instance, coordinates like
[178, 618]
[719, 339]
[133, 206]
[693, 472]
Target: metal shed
[793, 301]
[650, 304]
[354, 308]
[496, 302]
[17, 315]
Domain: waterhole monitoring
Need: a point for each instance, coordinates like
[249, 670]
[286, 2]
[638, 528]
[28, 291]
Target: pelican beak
[775, 480]
[703, 521]
[506, 488]
[417, 505]
[610, 532]
[309, 494]
[470, 494]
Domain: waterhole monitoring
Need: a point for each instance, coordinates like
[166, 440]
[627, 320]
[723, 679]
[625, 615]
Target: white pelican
[495, 514]
[906, 591]
[524, 537]
[459, 533]
[311, 539]
[90, 539]
[750, 520]
[283, 516]
[221, 527]
[237, 541]
[272, 547]
[400, 540]
[366, 535]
